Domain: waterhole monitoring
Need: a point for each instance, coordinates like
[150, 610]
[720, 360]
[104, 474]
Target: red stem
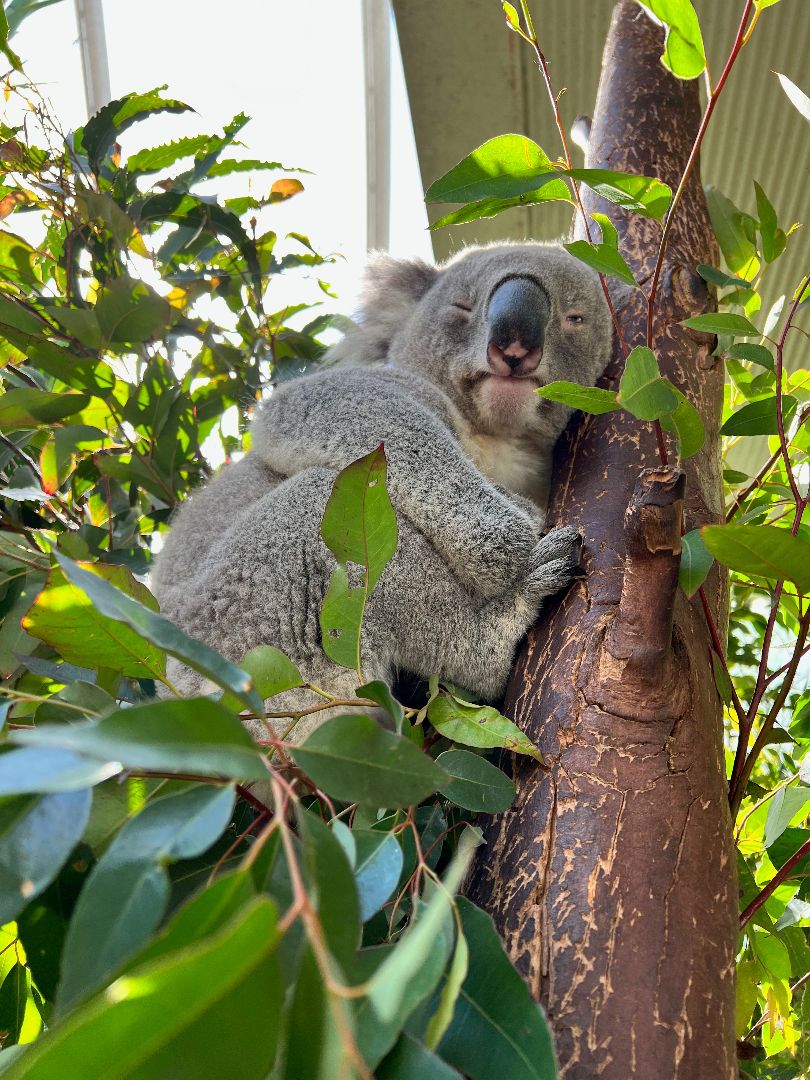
[774, 883]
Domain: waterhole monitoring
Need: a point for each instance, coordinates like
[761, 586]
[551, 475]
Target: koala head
[488, 328]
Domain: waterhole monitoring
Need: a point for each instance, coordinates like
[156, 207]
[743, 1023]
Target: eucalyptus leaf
[478, 725]
[590, 399]
[762, 550]
[696, 562]
[475, 783]
[642, 390]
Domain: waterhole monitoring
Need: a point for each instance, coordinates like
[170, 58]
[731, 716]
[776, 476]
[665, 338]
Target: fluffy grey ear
[391, 290]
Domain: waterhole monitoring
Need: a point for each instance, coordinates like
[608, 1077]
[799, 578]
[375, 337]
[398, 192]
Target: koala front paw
[556, 562]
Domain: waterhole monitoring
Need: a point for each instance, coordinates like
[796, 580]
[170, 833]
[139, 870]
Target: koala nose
[517, 316]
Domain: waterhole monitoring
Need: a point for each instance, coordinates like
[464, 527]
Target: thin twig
[780, 876]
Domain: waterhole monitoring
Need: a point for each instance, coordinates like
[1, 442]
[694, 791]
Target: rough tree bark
[612, 880]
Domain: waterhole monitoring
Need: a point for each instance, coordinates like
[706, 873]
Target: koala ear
[391, 290]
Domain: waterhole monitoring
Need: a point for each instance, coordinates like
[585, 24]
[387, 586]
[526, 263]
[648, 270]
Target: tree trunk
[612, 880]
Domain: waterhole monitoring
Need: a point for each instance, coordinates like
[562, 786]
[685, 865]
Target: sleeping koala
[442, 368]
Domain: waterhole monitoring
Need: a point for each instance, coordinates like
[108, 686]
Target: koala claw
[556, 562]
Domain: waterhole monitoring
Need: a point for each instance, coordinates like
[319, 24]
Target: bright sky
[296, 69]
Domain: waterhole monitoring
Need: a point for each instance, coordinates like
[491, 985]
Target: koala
[441, 367]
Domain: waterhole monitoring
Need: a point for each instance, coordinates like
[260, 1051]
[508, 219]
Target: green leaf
[497, 1030]
[589, 399]
[271, 671]
[128, 311]
[156, 158]
[125, 896]
[721, 680]
[757, 354]
[49, 769]
[409, 1060]
[782, 808]
[797, 97]
[500, 168]
[5, 48]
[642, 391]
[104, 127]
[381, 693]
[14, 996]
[773, 238]
[717, 277]
[476, 784]
[228, 986]
[759, 417]
[440, 1021]
[511, 15]
[695, 562]
[191, 735]
[685, 422]
[37, 834]
[684, 54]
[65, 616]
[604, 258]
[359, 527]
[377, 868]
[331, 886]
[35, 408]
[478, 725]
[159, 631]
[609, 234]
[762, 550]
[642, 194]
[735, 234]
[355, 760]
[722, 322]
[554, 190]
[388, 987]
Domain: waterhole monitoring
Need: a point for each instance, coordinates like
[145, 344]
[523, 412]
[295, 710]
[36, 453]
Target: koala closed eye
[574, 319]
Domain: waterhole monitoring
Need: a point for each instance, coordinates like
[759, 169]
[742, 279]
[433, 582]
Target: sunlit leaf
[604, 258]
[796, 96]
[500, 168]
[684, 54]
[589, 399]
[642, 390]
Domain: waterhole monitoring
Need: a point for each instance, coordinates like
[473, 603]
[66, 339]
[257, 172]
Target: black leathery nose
[519, 310]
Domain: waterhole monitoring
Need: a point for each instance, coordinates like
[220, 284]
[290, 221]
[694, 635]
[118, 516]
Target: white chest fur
[515, 464]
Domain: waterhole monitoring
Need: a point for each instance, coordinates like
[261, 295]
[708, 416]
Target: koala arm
[333, 418]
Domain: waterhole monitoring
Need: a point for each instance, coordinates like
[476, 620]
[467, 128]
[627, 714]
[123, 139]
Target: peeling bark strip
[612, 879]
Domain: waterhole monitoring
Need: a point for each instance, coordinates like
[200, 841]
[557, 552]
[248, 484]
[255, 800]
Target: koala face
[490, 327]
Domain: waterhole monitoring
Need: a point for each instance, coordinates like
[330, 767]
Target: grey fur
[468, 472]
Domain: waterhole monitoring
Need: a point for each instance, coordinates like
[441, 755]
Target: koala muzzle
[517, 316]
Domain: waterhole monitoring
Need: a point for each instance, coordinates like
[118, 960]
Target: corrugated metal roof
[470, 79]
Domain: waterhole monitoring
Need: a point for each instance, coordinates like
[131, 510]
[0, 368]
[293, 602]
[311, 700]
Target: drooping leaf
[782, 808]
[759, 417]
[457, 973]
[735, 234]
[389, 985]
[685, 422]
[762, 550]
[360, 529]
[129, 311]
[757, 354]
[723, 322]
[497, 1030]
[229, 985]
[410, 1060]
[642, 194]
[684, 54]
[717, 277]
[37, 834]
[696, 562]
[797, 97]
[270, 670]
[49, 769]
[590, 399]
[125, 896]
[642, 390]
[191, 735]
[377, 868]
[37, 408]
[331, 886]
[501, 168]
[773, 238]
[159, 631]
[105, 126]
[355, 760]
[382, 694]
[478, 725]
[604, 258]
[5, 48]
[555, 190]
[65, 616]
[475, 783]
